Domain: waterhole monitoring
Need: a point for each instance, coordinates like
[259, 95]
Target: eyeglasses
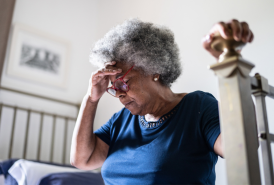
[119, 85]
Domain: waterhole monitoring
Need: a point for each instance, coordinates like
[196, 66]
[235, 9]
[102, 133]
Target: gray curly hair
[150, 47]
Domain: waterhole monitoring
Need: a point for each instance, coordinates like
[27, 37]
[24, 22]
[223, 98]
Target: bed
[35, 144]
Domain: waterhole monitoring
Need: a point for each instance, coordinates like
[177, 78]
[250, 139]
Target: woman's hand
[233, 29]
[99, 81]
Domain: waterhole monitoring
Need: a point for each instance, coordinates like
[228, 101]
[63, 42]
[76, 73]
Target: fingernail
[238, 38]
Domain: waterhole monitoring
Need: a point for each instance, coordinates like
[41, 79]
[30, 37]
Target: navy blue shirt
[178, 150]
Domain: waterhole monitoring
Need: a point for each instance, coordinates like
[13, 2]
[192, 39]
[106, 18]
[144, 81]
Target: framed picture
[37, 57]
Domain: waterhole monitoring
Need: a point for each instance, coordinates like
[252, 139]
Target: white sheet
[2, 179]
[30, 173]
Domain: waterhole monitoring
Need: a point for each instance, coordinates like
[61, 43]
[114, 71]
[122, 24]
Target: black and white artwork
[38, 57]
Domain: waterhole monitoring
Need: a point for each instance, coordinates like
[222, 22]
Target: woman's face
[142, 90]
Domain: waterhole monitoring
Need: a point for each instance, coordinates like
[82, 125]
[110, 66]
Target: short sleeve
[104, 132]
[210, 119]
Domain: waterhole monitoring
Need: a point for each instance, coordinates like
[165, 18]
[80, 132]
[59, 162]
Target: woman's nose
[120, 94]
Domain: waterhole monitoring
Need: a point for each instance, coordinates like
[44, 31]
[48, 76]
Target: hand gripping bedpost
[237, 114]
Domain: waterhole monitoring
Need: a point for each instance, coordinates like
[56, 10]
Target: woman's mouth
[128, 104]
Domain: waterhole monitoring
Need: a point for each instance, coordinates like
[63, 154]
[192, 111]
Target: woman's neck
[163, 103]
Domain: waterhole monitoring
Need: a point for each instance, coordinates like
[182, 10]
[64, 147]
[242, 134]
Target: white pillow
[30, 173]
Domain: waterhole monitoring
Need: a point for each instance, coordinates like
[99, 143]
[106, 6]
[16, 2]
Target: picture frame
[38, 57]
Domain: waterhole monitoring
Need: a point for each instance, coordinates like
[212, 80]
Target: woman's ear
[156, 77]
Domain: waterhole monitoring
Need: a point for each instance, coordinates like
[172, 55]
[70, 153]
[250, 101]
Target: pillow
[30, 173]
[5, 166]
[9, 180]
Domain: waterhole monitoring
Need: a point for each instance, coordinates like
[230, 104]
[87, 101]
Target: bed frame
[65, 131]
[9, 144]
[238, 118]
[237, 112]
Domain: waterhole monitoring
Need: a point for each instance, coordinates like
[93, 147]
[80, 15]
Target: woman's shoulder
[121, 116]
[121, 113]
[199, 94]
[198, 98]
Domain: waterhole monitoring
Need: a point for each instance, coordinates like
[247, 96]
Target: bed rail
[260, 92]
[68, 122]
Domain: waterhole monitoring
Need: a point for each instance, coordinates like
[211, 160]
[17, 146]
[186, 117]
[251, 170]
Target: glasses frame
[122, 80]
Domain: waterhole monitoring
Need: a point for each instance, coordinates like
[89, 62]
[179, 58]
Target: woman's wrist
[89, 99]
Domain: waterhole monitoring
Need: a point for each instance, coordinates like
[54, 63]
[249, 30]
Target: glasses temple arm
[127, 72]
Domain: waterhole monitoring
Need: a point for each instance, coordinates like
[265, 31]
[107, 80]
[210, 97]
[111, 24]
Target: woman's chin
[133, 111]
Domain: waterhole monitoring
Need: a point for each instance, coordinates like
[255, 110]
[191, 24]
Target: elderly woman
[159, 137]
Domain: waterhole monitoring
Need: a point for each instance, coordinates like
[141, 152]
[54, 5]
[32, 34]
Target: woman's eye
[126, 81]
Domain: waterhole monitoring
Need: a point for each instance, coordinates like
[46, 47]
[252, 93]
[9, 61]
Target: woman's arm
[87, 150]
[86, 146]
[218, 146]
[232, 29]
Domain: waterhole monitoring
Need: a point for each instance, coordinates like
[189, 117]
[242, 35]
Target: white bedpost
[237, 114]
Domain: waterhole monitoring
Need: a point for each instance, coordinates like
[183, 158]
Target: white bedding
[30, 173]
[2, 179]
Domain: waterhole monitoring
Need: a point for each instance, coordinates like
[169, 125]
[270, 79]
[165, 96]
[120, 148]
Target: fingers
[239, 31]
[251, 37]
[233, 29]
[111, 71]
[206, 41]
[109, 63]
[106, 72]
[222, 29]
[110, 66]
[236, 28]
[246, 33]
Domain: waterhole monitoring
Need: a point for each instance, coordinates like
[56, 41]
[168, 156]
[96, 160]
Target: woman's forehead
[120, 65]
[123, 65]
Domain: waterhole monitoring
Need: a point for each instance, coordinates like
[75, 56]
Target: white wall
[190, 20]
[83, 22]
[72, 21]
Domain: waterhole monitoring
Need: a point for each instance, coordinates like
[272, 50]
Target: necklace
[163, 119]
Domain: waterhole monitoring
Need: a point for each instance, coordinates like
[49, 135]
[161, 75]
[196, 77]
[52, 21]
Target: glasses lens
[111, 91]
[121, 85]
